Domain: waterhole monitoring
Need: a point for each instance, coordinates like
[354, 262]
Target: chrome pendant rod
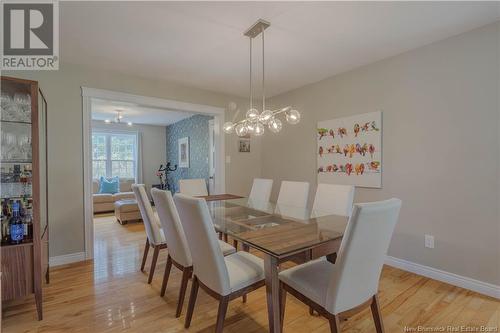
[251, 89]
[263, 75]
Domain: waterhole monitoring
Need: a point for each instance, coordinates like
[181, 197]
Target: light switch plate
[429, 241]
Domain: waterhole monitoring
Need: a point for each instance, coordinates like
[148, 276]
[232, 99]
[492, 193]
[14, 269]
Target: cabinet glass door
[42, 146]
[16, 153]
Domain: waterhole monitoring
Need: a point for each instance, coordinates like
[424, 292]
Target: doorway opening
[126, 139]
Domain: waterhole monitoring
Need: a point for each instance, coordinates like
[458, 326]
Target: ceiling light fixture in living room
[118, 119]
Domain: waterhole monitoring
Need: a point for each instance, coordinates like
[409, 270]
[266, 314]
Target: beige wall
[440, 146]
[63, 93]
[152, 150]
[498, 141]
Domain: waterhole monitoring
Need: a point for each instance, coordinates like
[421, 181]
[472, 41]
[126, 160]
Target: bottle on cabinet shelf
[16, 225]
[5, 229]
[5, 221]
[23, 220]
[28, 225]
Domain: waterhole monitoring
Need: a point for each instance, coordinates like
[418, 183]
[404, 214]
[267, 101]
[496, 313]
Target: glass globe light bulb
[241, 129]
[275, 125]
[266, 116]
[293, 117]
[228, 127]
[251, 127]
[259, 129]
[252, 113]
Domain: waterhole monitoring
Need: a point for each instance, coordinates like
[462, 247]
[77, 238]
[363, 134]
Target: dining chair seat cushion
[310, 279]
[226, 248]
[244, 270]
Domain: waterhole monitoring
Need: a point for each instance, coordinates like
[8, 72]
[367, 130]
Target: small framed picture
[244, 145]
[183, 158]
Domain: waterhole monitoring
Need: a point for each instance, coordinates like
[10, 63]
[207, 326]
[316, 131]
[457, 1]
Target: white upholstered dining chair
[350, 285]
[194, 187]
[293, 194]
[155, 237]
[261, 190]
[224, 278]
[333, 199]
[179, 254]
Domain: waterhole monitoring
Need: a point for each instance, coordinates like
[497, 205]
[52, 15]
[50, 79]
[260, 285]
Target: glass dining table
[282, 233]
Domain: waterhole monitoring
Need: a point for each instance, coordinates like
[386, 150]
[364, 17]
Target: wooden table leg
[271, 268]
[245, 247]
[332, 257]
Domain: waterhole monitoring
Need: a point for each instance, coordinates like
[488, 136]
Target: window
[114, 154]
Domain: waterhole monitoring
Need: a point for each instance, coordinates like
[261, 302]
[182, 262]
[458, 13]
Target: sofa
[105, 202]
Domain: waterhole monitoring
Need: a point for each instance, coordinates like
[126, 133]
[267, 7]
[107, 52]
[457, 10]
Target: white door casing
[89, 93]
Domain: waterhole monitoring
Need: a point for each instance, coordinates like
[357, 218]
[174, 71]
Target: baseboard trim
[481, 287]
[66, 259]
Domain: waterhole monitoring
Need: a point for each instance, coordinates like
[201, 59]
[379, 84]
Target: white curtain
[138, 160]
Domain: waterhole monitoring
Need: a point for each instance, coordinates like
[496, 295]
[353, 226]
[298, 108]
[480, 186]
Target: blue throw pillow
[109, 186]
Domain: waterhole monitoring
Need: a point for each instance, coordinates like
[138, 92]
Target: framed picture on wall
[349, 150]
[244, 145]
[183, 158]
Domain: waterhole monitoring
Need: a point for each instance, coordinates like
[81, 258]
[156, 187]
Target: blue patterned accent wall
[196, 129]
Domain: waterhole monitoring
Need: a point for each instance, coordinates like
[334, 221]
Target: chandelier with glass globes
[255, 122]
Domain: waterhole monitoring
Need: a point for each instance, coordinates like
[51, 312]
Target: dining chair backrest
[333, 199]
[171, 224]
[208, 261]
[261, 190]
[194, 187]
[361, 255]
[293, 194]
[148, 217]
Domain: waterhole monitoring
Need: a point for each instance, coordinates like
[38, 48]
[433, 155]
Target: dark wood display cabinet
[24, 210]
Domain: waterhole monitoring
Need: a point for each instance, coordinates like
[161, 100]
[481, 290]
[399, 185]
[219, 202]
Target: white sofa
[106, 202]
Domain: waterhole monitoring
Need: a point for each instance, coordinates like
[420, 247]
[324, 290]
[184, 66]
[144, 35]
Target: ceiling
[200, 44]
[137, 114]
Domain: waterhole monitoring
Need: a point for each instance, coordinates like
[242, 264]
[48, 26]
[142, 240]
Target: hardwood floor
[110, 294]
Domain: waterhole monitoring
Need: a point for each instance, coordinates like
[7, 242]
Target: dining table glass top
[276, 229]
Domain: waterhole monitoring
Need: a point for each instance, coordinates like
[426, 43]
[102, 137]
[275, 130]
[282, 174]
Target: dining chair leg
[377, 315]
[235, 244]
[221, 314]
[153, 264]
[166, 275]
[282, 305]
[334, 324]
[192, 301]
[244, 298]
[245, 247]
[186, 274]
[225, 238]
[145, 255]
[220, 235]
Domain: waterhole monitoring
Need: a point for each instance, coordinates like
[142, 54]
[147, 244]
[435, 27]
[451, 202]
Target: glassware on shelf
[23, 101]
[16, 181]
[16, 108]
[15, 142]
[15, 190]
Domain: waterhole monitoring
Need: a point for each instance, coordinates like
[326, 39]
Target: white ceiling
[137, 114]
[200, 44]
